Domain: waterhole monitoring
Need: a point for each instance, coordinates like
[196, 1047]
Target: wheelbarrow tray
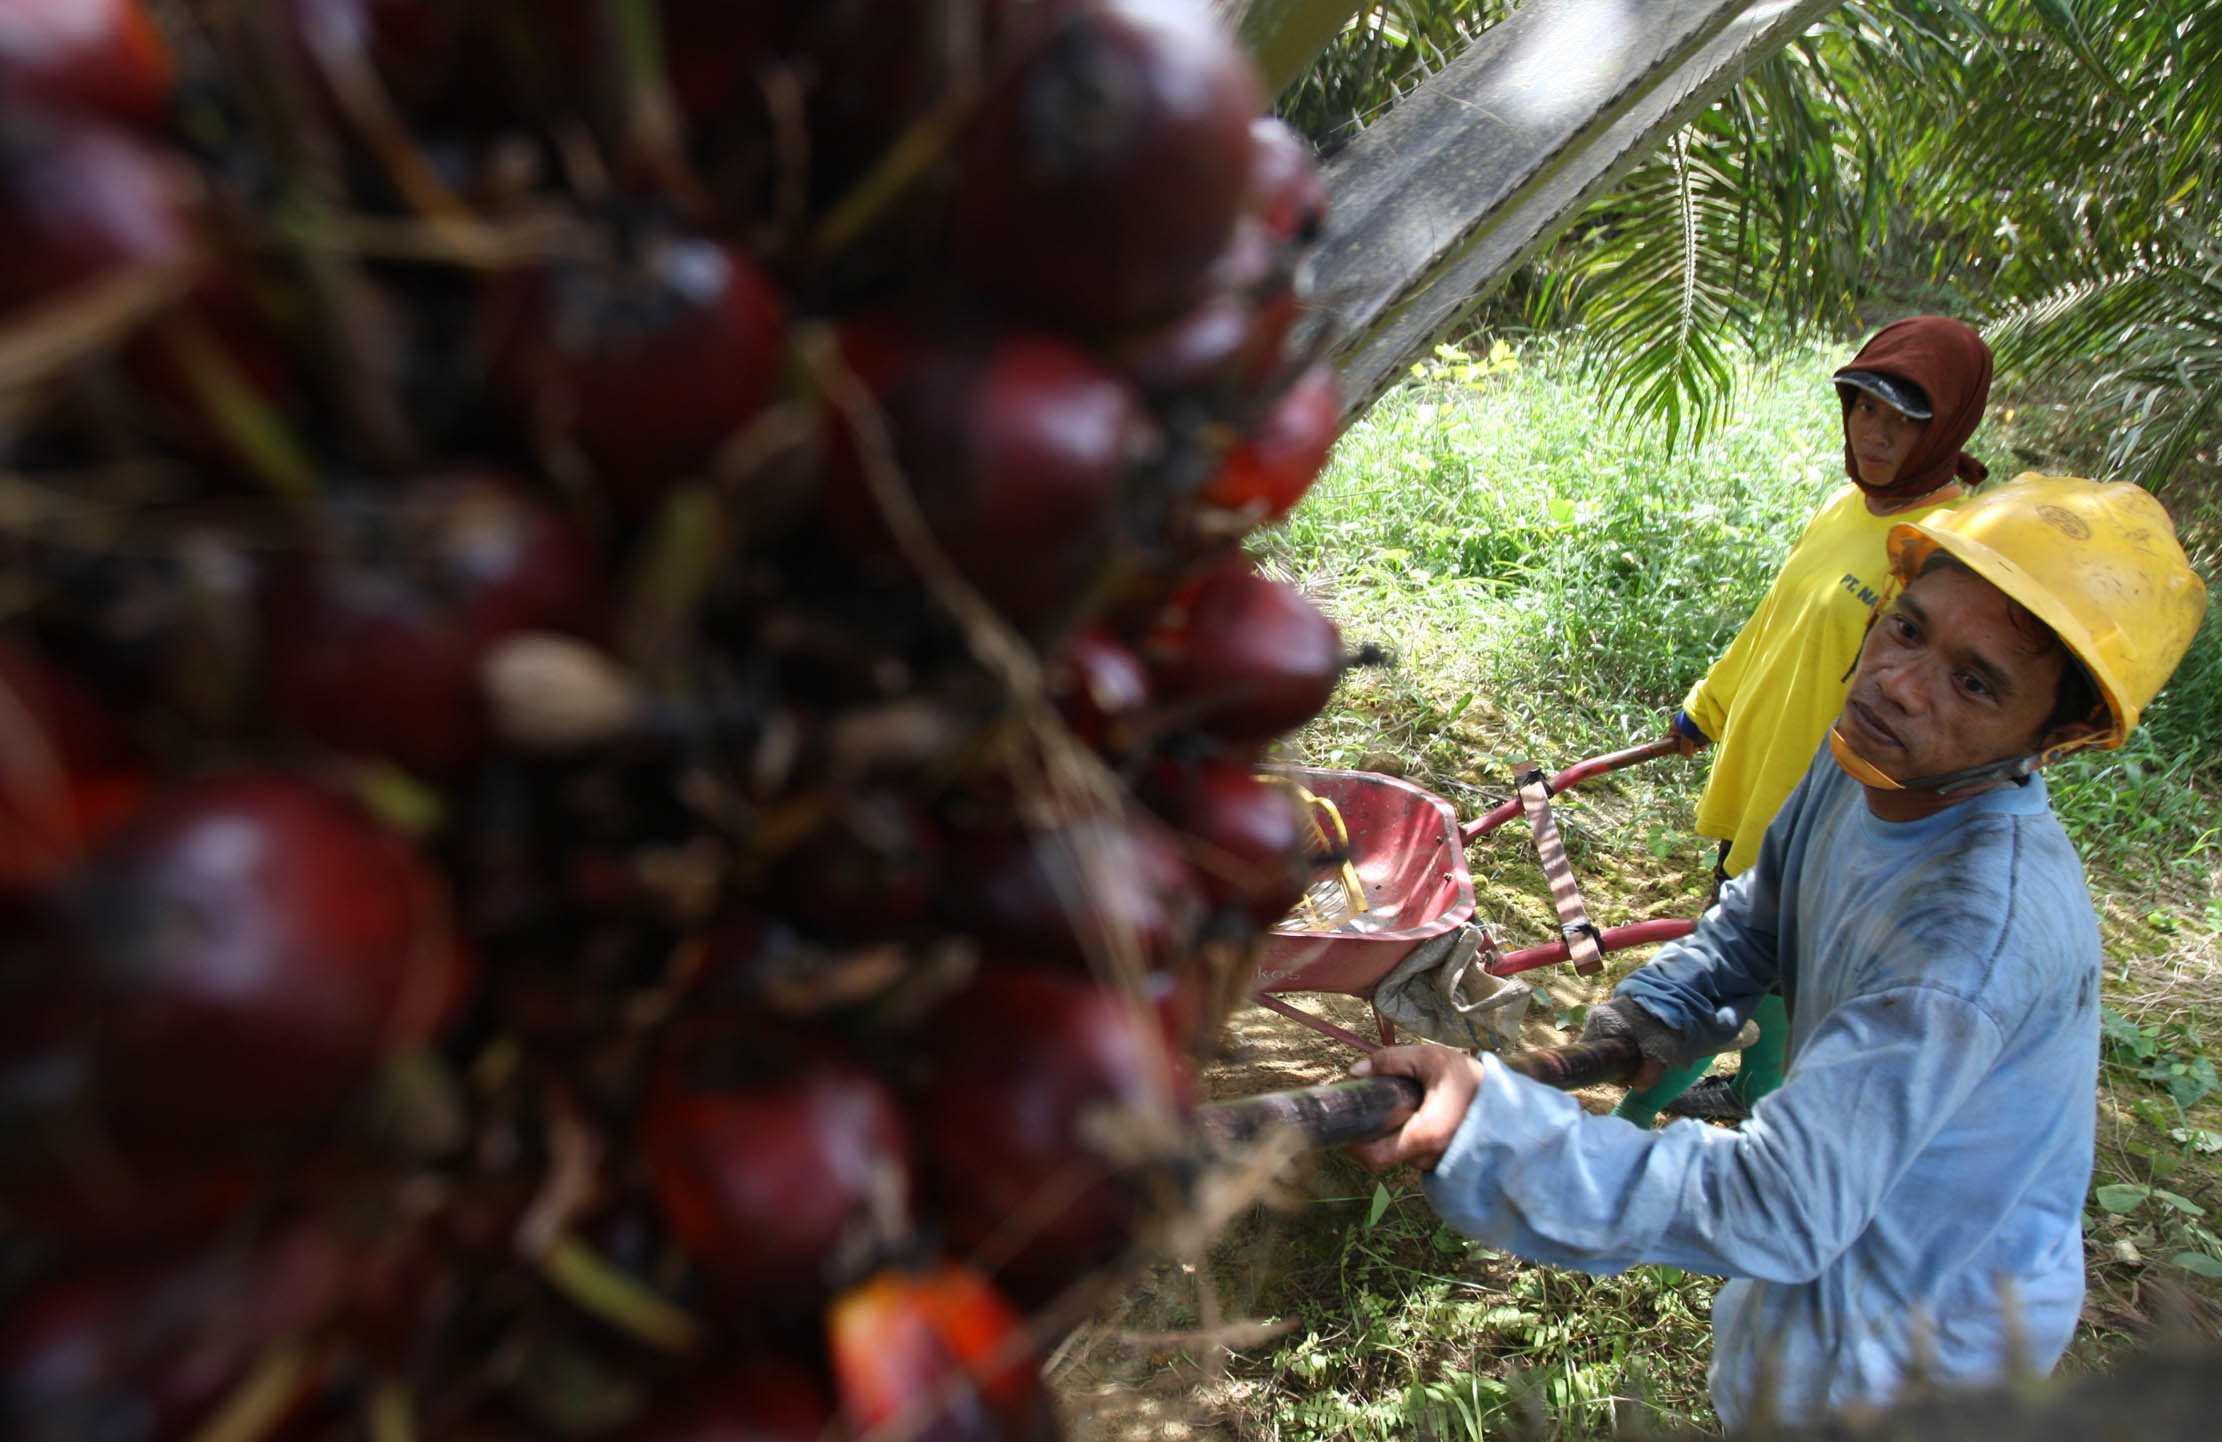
[1411, 861]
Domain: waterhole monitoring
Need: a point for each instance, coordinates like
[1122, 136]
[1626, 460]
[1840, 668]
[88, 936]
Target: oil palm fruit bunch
[629, 699]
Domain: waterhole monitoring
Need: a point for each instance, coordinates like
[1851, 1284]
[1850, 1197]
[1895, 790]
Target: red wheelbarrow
[1407, 895]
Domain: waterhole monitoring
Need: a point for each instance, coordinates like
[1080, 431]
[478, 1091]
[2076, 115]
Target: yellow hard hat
[2097, 562]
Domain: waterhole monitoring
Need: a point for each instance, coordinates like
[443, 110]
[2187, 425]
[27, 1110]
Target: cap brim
[1900, 395]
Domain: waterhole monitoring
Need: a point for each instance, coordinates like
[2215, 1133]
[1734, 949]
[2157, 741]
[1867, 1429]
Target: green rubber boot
[1642, 1107]
[1760, 1068]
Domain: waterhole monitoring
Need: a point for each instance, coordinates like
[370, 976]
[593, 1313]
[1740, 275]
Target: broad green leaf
[2189, 1082]
[2178, 1201]
[2198, 1262]
[1380, 1204]
[2121, 1197]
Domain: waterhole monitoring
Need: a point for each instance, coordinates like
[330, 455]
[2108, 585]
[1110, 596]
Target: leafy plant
[2171, 1056]
[1429, 1334]
[2173, 1225]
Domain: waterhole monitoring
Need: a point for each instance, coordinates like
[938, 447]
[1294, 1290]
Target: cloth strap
[1574, 925]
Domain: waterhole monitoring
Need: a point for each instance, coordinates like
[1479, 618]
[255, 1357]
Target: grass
[1550, 583]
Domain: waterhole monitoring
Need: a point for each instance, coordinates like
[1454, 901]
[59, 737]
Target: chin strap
[1866, 773]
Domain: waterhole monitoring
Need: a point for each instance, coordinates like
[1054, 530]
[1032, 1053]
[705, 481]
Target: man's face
[1882, 437]
[1953, 675]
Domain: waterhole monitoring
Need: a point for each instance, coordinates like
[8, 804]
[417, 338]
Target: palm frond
[2147, 340]
[1661, 299]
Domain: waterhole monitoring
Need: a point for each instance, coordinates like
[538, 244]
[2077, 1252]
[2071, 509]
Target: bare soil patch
[1172, 1358]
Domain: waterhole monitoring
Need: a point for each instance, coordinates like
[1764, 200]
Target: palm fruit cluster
[629, 699]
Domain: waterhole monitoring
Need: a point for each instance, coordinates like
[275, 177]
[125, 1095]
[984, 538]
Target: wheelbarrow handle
[1368, 1107]
[1573, 775]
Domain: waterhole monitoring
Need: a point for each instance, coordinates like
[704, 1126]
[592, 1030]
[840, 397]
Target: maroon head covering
[1953, 368]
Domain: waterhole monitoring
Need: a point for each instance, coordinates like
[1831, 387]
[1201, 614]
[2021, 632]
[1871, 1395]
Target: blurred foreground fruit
[1101, 179]
[934, 1352]
[770, 1181]
[1249, 657]
[250, 947]
[1050, 1096]
[102, 56]
[630, 702]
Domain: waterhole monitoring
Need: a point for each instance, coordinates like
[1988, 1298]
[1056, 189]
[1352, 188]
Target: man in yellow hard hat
[1909, 1202]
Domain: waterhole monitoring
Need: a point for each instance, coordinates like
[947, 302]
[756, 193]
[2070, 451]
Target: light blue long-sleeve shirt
[1910, 1201]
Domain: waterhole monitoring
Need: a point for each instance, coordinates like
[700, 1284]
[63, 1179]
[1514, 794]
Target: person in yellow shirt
[1912, 397]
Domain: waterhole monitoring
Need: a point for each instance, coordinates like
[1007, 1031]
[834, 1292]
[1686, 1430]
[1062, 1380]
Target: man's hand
[1620, 1017]
[1451, 1078]
[1687, 739]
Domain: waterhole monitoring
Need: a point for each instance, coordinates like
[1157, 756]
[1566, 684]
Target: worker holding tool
[1912, 397]
[1909, 1202]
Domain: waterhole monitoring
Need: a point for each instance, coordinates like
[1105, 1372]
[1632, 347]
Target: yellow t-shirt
[1772, 695]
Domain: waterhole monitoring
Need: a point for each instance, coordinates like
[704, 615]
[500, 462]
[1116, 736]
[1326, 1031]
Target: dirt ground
[1144, 1368]
[1153, 1364]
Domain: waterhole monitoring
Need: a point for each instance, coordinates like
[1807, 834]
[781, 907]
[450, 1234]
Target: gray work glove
[1621, 1017]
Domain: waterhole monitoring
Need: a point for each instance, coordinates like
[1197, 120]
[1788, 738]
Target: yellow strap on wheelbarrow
[1336, 895]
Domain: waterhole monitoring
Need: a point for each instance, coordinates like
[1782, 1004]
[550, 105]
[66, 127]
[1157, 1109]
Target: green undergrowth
[1405, 1329]
[1549, 585]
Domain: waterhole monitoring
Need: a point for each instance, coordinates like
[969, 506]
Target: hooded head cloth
[1953, 368]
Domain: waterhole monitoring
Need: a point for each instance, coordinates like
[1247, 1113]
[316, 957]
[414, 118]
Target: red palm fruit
[1200, 352]
[936, 1354]
[1287, 192]
[253, 945]
[873, 68]
[752, 1400]
[100, 56]
[1079, 895]
[378, 648]
[1101, 688]
[1246, 836]
[1099, 181]
[1017, 447]
[146, 1350]
[66, 773]
[647, 367]
[81, 203]
[1248, 657]
[780, 1181]
[1275, 466]
[1229, 344]
[1047, 1096]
